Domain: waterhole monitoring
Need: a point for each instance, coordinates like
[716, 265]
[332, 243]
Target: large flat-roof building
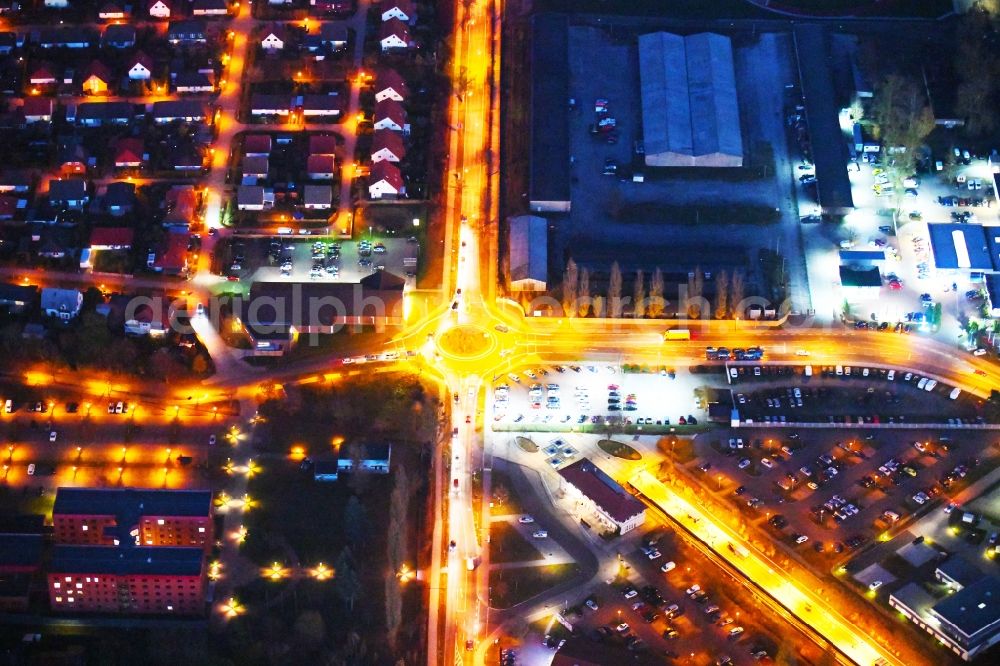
[548, 187]
[690, 114]
[529, 260]
[603, 496]
[958, 248]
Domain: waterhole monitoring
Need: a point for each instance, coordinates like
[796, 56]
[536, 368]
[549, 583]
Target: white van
[955, 392]
[840, 371]
[891, 376]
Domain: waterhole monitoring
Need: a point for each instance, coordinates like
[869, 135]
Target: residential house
[99, 114]
[41, 74]
[322, 144]
[192, 31]
[186, 159]
[119, 36]
[390, 85]
[319, 108]
[55, 4]
[160, 9]
[385, 181]
[144, 319]
[129, 153]
[181, 205]
[389, 114]
[49, 241]
[111, 238]
[62, 304]
[333, 35]
[257, 145]
[69, 193]
[66, 38]
[37, 109]
[9, 7]
[96, 78]
[255, 167]
[262, 104]
[317, 197]
[172, 257]
[17, 181]
[140, 67]
[114, 11]
[12, 206]
[394, 35]
[17, 298]
[401, 10]
[320, 167]
[8, 42]
[173, 110]
[71, 156]
[119, 198]
[273, 41]
[254, 197]
[193, 82]
[209, 8]
[387, 145]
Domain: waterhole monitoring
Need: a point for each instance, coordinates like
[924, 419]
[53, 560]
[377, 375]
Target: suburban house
[140, 67]
[192, 82]
[186, 159]
[119, 198]
[390, 85]
[209, 8]
[602, 496]
[181, 204]
[264, 104]
[389, 114]
[371, 458]
[70, 193]
[41, 74]
[172, 257]
[55, 4]
[385, 181]
[173, 110]
[322, 144]
[317, 197]
[37, 109]
[254, 197]
[119, 36]
[111, 238]
[387, 145]
[15, 180]
[71, 156]
[320, 108]
[160, 8]
[62, 304]
[272, 42]
[144, 319]
[98, 114]
[277, 313]
[67, 38]
[12, 206]
[17, 298]
[257, 145]
[397, 9]
[255, 166]
[333, 35]
[320, 167]
[129, 153]
[9, 41]
[394, 35]
[96, 78]
[191, 31]
[114, 11]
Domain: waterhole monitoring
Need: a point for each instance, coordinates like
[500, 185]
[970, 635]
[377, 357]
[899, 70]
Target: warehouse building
[603, 496]
[529, 265]
[690, 114]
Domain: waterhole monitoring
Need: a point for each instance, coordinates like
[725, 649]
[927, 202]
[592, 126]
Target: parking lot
[838, 489]
[573, 395]
[300, 260]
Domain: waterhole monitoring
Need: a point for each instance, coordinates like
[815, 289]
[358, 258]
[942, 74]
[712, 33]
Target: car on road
[622, 628]
[591, 603]
[767, 462]
[525, 519]
[800, 538]
[735, 633]
[744, 463]
[630, 592]
[53, 435]
[540, 534]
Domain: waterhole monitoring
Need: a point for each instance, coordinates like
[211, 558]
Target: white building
[602, 496]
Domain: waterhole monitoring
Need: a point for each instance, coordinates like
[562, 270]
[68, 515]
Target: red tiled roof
[182, 200]
[390, 78]
[389, 140]
[320, 164]
[395, 27]
[257, 143]
[390, 108]
[388, 172]
[112, 236]
[38, 106]
[174, 254]
[128, 149]
[604, 491]
[322, 144]
[140, 58]
[42, 70]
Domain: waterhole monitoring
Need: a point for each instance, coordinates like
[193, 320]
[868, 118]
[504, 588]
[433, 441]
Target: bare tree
[736, 294]
[570, 278]
[656, 303]
[639, 296]
[598, 306]
[615, 291]
[696, 287]
[721, 293]
[583, 293]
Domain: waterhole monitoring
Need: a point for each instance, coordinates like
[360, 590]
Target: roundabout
[465, 343]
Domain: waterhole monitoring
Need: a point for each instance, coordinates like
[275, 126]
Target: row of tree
[577, 300]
